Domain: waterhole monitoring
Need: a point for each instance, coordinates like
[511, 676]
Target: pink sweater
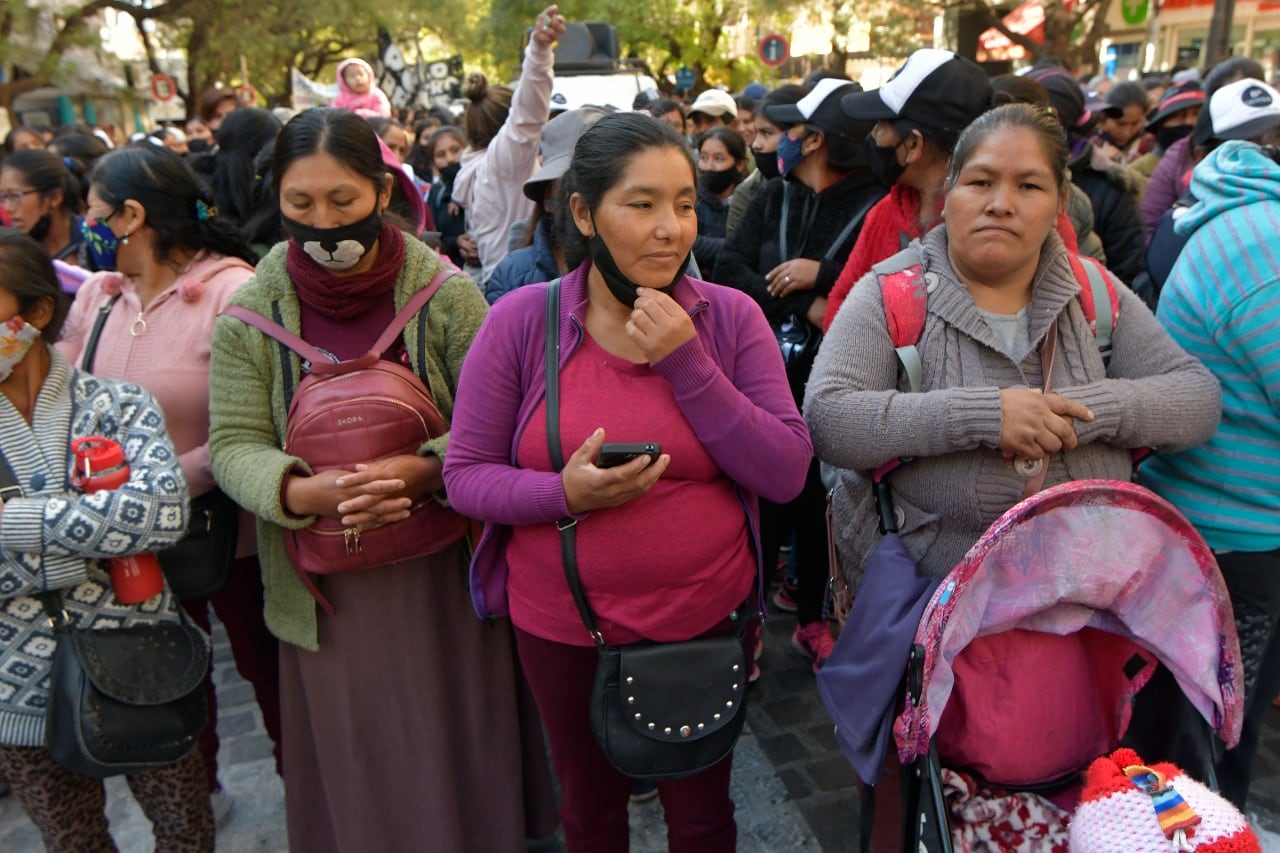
[165, 349]
[642, 582]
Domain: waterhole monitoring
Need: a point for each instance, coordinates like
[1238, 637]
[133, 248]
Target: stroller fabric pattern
[1095, 554]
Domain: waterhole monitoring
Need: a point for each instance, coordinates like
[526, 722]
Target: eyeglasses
[91, 220]
[12, 199]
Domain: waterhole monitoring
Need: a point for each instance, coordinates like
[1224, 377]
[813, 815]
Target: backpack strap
[317, 356]
[1097, 288]
[410, 310]
[274, 330]
[905, 302]
[286, 364]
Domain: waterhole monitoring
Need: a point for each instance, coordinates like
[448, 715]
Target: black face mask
[197, 146]
[1166, 136]
[766, 163]
[883, 163]
[41, 229]
[714, 183]
[338, 248]
[450, 172]
[622, 288]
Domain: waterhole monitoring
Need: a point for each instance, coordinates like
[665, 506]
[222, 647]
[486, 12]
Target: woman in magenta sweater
[666, 551]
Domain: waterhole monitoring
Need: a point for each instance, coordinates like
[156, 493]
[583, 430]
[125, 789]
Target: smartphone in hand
[615, 454]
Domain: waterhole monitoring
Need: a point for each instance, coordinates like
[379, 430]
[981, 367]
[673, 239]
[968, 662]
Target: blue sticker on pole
[685, 77]
[774, 50]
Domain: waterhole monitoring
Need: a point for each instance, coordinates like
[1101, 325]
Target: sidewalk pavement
[792, 787]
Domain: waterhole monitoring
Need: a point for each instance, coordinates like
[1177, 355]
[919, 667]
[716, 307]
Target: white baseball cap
[715, 102]
[1245, 109]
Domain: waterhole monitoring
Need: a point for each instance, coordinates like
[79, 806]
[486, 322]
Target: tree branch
[153, 63]
[996, 22]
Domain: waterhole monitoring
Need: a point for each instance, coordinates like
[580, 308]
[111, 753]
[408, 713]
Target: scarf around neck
[344, 297]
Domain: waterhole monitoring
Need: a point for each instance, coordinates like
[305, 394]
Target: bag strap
[782, 223]
[905, 309]
[567, 525]
[853, 223]
[91, 347]
[1096, 289]
[9, 488]
[274, 330]
[905, 299]
[1047, 351]
[314, 354]
[410, 310]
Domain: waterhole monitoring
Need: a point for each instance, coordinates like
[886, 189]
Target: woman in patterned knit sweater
[53, 537]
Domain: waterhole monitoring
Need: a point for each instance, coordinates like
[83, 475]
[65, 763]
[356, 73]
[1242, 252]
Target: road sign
[774, 50]
[248, 95]
[163, 88]
[685, 77]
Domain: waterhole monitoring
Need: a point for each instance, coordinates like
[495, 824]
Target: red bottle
[100, 465]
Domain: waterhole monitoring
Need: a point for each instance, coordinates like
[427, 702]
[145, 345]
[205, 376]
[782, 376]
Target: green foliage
[266, 37]
[895, 25]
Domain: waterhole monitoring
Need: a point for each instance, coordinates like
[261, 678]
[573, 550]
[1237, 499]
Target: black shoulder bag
[121, 700]
[198, 565]
[658, 710]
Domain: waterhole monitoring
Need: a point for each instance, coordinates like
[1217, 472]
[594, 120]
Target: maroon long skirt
[411, 728]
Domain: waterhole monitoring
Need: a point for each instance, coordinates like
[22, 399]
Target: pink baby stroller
[1029, 653]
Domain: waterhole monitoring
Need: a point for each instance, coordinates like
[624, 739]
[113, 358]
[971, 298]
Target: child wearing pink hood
[357, 91]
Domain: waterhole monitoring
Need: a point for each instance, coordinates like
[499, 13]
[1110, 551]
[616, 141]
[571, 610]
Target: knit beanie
[1129, 807]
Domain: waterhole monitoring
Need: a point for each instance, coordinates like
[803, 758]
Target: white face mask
[16, 338]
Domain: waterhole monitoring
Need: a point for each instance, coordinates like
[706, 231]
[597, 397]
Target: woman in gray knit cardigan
[998, 279]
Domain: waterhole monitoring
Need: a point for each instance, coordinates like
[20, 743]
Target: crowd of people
[713, 273]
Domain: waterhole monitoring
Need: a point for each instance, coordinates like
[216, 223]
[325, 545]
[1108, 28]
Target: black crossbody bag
[121, 700]
[658, 710]
[200, 563]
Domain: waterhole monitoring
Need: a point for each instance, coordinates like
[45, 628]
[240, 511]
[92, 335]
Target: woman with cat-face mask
[43, 199]
[395, 701]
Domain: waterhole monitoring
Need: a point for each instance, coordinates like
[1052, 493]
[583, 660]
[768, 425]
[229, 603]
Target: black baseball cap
[820, 107]
[934, 88]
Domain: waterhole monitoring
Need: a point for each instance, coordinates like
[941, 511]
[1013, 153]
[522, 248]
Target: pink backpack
[347, 412]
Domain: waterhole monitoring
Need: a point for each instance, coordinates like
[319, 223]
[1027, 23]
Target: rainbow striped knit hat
[1130, 807]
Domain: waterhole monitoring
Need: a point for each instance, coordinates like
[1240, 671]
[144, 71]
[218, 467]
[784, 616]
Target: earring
[124, 241]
